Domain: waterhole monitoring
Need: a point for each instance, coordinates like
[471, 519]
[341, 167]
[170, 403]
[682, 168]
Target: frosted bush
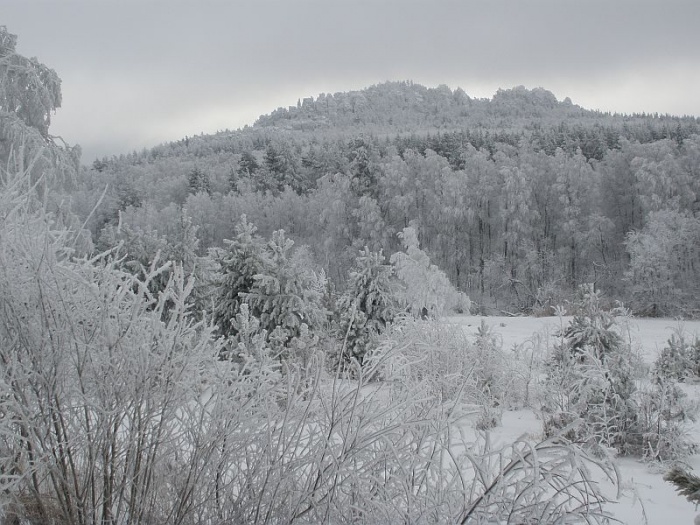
[679, 359]
[452, 364]
[594, 378]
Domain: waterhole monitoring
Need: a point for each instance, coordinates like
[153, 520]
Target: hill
[408, 106]
[519, 198]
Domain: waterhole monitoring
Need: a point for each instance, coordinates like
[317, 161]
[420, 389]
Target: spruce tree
[286, 294]
[240, 263]
[368, 306]
[198, 182]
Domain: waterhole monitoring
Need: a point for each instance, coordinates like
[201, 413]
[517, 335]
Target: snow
[645, 497]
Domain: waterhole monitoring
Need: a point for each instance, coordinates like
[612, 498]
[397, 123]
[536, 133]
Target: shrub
[453, 366]
[115, 413]
[662, 417]
[679, 359]
[593, 377]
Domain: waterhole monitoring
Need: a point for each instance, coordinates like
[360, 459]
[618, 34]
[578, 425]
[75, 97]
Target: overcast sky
[138, 73]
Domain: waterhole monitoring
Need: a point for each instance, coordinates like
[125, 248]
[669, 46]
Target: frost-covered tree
[282, 167]
[30, 93]
[198, 181]
[28, 89]
[591, 378]
[664, 262]
[594, 390]
[286, 294]
[248, 164]
[364, 173]
[426, 288]
[239, 263]
[368, 306]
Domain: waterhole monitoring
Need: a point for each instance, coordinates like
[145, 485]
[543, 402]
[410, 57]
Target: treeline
[516, 218]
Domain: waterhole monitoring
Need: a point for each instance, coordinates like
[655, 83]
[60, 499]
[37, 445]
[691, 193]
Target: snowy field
[646, 497]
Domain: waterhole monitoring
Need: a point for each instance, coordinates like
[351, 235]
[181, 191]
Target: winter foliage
[426, 288]
[236, 347]
[595, 379]
[368, 307]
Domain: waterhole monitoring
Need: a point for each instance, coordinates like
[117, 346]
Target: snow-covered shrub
[663, 414]
[548, 482]
[99, 387]
[595, 378]
[451, 364]
[142, 250]
[460, 303]
[387, 452]
[591, 377]
[679, 359]
[430, 353]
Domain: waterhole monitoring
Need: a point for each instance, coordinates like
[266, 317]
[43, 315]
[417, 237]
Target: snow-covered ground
[646, 335]
[646, 497]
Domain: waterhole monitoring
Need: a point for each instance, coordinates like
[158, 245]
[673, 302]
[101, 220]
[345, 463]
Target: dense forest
[518, 199]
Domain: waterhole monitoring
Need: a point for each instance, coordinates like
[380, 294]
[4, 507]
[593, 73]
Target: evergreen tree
[286, 295]
[240, 263]
[686, 484]
[233, 180]
[283, 168]
[198, 181]
[363, 167]
[593, 380]
[248, 164]
[368, 306]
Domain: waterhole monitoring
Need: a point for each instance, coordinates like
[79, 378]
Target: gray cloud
[138, 73]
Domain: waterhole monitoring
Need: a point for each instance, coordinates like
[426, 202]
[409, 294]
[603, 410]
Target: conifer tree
[248, 164]
[593, 370]
[240, 263]
[286, 295]
[198, 181]
[368, 306]
[686, 484]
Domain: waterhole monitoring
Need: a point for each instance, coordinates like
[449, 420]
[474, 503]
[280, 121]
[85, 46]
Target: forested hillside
[519, 198]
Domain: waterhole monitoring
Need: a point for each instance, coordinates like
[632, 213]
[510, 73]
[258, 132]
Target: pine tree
[368, 306]
[591, 379]
[248, 164]
[240, 263]
[286, 295]
[686, 483]
[198, 181]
